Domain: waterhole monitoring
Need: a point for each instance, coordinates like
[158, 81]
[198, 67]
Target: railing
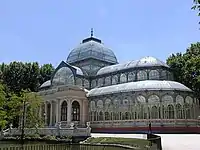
[156, 140]
[51, 131]
[60, 147]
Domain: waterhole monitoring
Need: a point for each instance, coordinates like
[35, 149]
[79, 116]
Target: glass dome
[92, 48]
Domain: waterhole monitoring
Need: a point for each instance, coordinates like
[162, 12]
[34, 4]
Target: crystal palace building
[91, 86]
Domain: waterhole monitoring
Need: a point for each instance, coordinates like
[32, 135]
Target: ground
[134, 142]
[169, 141]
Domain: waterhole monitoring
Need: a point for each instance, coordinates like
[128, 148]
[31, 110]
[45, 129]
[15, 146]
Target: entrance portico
[66, 109]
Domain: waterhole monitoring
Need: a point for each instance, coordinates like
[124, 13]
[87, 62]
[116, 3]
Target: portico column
[69, 111]
[46, 113]
[57, 110]
[51, 111]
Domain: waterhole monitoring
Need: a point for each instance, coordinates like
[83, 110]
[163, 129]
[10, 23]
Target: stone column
[57, 111]
[51, 108]
[69, 111]
[82, 112]
[45, 117]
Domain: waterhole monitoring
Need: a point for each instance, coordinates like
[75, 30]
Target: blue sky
[46, 30]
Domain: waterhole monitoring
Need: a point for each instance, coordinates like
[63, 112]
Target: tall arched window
[95, 116]
[170, 112]
[127, 115]
[64, 111]
[116, 116]
[75, 111]
[154, 112]
[179, 111]
[107, 116]
[100, 116]
[187, 111]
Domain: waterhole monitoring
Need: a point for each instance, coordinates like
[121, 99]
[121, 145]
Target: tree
[46, 71]
[18, 75]
[3, 115]
[187, 67]
[32, 103]
[196, 6]
[33, 109]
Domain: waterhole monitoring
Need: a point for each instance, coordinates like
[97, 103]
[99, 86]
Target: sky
[47, 30]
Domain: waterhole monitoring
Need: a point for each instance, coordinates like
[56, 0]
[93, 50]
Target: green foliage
[49, 137]
[19, 80]
[3, 115]
[20, 76]
[187, 67]
[46, 71]
[196, 6]
[33, 103]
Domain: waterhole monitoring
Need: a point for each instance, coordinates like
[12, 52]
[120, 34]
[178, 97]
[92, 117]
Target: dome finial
[91, 32]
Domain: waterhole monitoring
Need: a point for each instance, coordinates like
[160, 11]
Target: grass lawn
[140, 143]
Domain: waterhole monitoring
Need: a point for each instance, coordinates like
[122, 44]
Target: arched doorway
[75, 111]
[64, 111]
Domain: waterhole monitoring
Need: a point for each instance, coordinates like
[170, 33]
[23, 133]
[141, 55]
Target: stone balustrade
[57, 131]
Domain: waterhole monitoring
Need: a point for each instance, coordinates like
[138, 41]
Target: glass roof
[91, 48]
[139, 86]
[78, 70]
[143, 62]
[45, 84]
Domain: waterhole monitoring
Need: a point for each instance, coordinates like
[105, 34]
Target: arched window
[107, 104]
[168, 99]
[107, 116]
[163, 75]
[123, 78]
[108, 81]
[75, 111]
[86, 83]
[100, 116]
[189, 100]
[93, 83]
[64, 111]
[127, 116]
[131, 76]
[141, 75]
[153, 99]
[116, 116]
[95, 116]
[179, 111]
[187, 111]
[92, 106]
[100, 104]
[153, 75]
[91, 116]
[154, 112]
[179, 99]
[170, 112]
[63, 76]
[114, 79]
[100, 82]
